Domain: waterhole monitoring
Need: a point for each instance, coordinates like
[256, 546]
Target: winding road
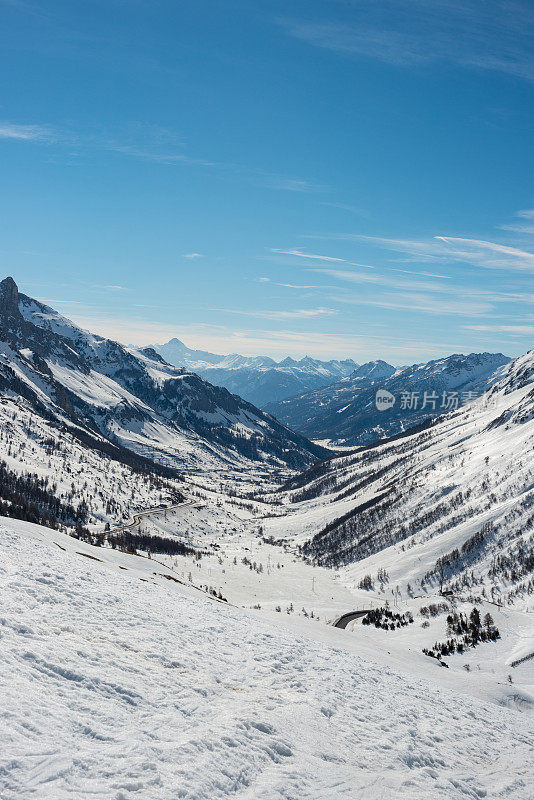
[136, 519]
[340, 622]
[343, 621]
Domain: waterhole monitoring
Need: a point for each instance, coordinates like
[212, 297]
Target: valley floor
[250, 559]
[125, 685]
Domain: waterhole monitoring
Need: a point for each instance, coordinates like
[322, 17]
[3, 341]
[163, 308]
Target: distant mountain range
[258, 379]
[130, 404]
[347, 413]
[336, 401]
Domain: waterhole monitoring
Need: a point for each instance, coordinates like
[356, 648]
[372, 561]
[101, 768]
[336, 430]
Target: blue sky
[328, 177]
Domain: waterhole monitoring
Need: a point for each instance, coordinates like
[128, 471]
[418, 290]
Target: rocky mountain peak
[151, 353]
[9, 298]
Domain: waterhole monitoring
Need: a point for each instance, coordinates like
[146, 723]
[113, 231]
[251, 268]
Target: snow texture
[124, 685]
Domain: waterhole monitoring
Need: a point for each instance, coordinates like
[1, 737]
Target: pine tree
[488, 621]
[475, 618]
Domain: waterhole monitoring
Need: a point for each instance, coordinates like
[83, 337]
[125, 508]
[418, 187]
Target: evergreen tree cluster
[515, 564]
[460, 558]
[366, 583]
[433, 609]
[371, 526]
[252, 565]
[132, 542]
[464, 632]
[32, 498]
[386, 619]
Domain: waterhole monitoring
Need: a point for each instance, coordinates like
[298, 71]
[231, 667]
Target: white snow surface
[122, 684]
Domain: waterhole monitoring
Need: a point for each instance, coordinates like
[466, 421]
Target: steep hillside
[259, 379]
[450, 506]
[132, 399]
[347, 412]
[57, 475]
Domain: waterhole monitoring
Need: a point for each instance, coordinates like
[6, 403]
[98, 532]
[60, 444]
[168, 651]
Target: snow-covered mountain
[452, 503]
[259, 379]
[125, 400]
[347, 412]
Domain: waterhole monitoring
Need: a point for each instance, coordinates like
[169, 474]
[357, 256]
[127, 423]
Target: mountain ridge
[449, 505]
[258, 379]
[346, 412]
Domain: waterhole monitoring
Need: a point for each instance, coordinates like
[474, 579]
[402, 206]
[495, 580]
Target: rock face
[9, 299]
[347, 413]
[133, 398]
[258, 379]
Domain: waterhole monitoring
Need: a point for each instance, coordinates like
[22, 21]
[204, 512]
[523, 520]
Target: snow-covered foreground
[122, 684]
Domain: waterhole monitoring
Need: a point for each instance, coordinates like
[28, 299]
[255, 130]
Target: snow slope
[108, 489]
[123, 684]
[409, 502]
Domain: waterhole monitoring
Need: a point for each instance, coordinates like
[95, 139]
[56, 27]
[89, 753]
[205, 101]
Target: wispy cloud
[277, 343]
[364, 344]
[299, 313]
[416, 272]
[513, 329]
[477, 252]
[495, 35]
[285, 183]
[300, 254]
[143, 154]
[193, 256]
[423, 296]
[152, 144]
[428, 305]
[25, 133]
[388, 280]
[482, 253]
[316, 257]
[360, 212]
[351, 276]
[299, 286]
[524, 224]
[112, 287]
[290, 285]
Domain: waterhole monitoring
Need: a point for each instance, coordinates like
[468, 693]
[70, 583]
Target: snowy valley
[124, 684]
[174, 561]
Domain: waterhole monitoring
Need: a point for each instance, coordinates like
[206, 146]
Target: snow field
[253, 574]
[125, 686]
